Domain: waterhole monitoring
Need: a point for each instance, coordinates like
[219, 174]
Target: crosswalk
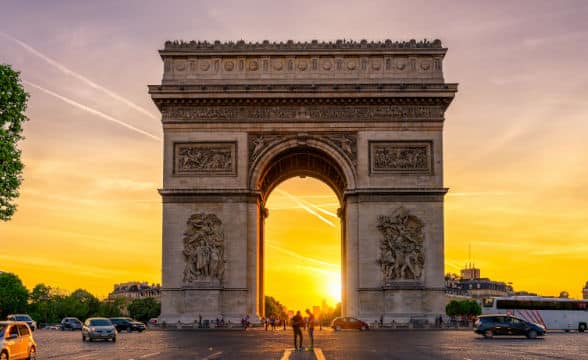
[292, 354]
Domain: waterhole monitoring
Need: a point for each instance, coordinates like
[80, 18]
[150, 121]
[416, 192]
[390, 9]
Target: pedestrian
[310, 329]
[285, 319]
[297, 323]
[273, 322]
[265, 323]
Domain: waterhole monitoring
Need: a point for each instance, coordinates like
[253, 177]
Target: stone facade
[364, 117]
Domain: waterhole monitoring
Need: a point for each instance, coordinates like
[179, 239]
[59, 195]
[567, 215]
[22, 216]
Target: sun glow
[333, 287]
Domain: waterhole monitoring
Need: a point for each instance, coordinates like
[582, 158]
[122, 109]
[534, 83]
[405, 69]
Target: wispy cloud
[80, 77]
[300, 256]
[307, 208]
[92, 110]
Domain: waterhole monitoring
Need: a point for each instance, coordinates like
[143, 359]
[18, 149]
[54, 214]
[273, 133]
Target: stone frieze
[407, 157]
[205, 158]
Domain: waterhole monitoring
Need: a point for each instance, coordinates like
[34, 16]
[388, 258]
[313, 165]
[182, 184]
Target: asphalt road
[259, 344]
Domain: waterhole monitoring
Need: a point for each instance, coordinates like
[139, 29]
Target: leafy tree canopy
[13, 295]
[13, 103]
[144, 309]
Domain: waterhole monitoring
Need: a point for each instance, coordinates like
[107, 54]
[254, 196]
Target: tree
[463, 307]
[144, 309]
[13, 103]
[274, 307]
[13, 295]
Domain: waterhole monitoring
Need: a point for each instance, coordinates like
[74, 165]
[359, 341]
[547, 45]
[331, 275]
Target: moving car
[128, 324]
[70, 323]
[490, 325]
[98, 328]
[349, 323]
[16, 341]
[23, 317]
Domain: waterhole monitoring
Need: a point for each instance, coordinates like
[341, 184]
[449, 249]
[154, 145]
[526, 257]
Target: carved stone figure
[399, 156]
[204, 158]
[204, 248]
[401, 248]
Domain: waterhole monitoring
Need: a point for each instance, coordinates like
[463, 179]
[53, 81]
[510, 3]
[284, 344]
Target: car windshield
[100, 322]
[22, 318]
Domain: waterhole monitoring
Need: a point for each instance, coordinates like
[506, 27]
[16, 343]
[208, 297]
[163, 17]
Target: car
[128, 324]
[502, 324]
[70, 323]
[16, 341]
[23, 317]
[349, 323]
[98, 328]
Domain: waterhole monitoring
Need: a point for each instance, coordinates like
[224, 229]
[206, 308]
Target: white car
[16, 341]
[98, 328]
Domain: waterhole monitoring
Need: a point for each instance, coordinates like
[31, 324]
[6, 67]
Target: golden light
[333, 287]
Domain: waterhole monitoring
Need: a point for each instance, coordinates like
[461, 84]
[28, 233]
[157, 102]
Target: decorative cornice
[306, 45]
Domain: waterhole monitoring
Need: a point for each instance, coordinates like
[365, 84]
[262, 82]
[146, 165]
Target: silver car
[16, 341]
[98, 328]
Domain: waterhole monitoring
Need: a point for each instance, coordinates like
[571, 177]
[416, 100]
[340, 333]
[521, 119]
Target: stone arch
[308, 156]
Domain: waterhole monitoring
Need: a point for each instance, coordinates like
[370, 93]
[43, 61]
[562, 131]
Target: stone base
[401, 306]
[188, 305]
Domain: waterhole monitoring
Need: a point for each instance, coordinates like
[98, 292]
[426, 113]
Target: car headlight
[93, 329]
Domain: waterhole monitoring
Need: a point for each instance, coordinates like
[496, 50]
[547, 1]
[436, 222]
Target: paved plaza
[259, 344]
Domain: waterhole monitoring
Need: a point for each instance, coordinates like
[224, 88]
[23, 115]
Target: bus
[552, 313]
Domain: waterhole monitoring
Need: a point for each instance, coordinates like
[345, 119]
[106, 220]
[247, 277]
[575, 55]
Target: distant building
[585, 291]
[470, 284]
[470, 272]
[135, 290]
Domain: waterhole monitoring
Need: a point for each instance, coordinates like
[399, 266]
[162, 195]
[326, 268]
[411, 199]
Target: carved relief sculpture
[401, 157]
[204, 249]
[205, 158]
[401, 248]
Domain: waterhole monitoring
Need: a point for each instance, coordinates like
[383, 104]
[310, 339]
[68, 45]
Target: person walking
[310, 329]
[297, 323]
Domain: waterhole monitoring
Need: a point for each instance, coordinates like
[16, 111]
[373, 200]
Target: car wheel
[3, 355]
[363, 328]
[32, 354]
[337, 328]
[83, 337]
[129, 330]
[532, 334]
[581, 327]
[488, 334]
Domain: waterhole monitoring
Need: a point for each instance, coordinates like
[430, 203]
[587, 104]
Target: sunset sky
[515, 137]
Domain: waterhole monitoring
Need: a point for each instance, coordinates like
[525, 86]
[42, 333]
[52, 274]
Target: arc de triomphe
[364, 117]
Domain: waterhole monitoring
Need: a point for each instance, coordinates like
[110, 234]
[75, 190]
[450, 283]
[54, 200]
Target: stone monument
[364, 117]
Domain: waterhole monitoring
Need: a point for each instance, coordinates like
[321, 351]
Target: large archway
[365, 118]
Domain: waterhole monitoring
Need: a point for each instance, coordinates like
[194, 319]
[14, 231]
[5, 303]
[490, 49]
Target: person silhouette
[297, 323]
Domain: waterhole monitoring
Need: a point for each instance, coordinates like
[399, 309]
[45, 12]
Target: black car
[70, 323]
[490, 325]
[128, 324]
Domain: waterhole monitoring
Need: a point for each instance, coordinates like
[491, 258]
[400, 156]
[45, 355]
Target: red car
[349, 323]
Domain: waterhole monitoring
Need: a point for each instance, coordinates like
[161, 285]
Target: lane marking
[216, 355]
[149, 355]
[286, 355]
[318, 354]
[83, 356]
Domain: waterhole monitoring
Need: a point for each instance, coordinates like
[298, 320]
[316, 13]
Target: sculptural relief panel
[204, 250]
[402, 256]
[401, 157]
[205, 158]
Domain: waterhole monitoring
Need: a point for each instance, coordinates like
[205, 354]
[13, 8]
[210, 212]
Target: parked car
[349, 323]
[98, 328]
[70, 323]
[16, 341]
[23, 317]
[490, 325]
[127, 324]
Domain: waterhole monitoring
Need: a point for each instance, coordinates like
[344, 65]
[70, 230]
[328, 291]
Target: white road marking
[83, 356]
[216, 355]
[318, 354]
[149, 355]
[286, 355]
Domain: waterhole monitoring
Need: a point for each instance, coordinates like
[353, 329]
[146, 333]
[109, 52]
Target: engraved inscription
[401, 157]
[205, 158]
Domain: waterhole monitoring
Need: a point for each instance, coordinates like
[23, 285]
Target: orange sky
[514, 142]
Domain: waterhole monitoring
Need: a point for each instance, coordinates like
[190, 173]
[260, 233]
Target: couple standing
[297, 325]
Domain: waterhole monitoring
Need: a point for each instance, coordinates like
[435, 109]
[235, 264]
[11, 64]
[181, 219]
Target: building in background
[135, 290]
[585, 291]
[470, 284]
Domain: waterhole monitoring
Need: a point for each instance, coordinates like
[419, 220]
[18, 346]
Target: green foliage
[13, 295]
[463, 307]
[144, 309]
[274, 307]
[113, 308]
[13, 103]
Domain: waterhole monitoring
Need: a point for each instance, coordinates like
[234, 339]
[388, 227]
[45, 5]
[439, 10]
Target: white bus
[553, 313]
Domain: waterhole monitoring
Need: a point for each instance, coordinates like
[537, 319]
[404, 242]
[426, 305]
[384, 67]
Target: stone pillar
[349, 263]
